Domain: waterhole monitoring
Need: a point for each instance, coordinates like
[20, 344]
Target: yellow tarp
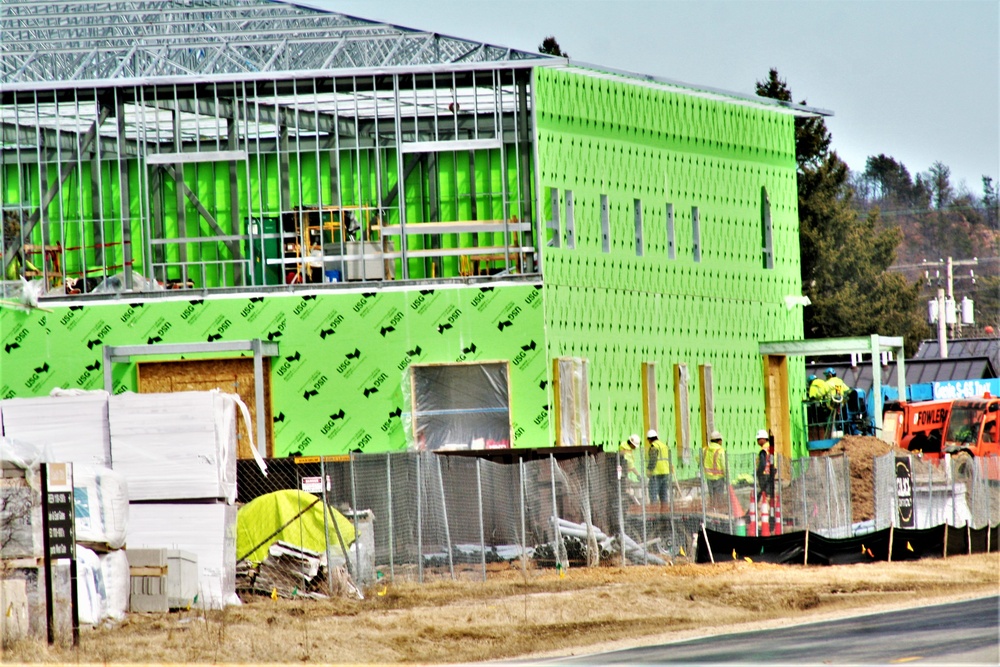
[291, 516]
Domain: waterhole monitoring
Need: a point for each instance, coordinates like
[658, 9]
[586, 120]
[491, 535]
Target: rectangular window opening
[570, 225]
[461, 406]
[554, 223]
[767, 239]
[671, 245]
[605, 225]
[638, 227]
[696, 233]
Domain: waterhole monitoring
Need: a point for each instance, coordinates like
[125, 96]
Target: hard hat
[651, 434]
[715, 436]
[634, 440]
[829, 372]
[762, 434]
[812, 376]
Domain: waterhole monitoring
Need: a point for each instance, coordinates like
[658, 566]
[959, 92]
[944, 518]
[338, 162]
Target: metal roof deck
[42, 41]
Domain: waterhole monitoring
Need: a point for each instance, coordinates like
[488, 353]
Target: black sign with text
[904, 493]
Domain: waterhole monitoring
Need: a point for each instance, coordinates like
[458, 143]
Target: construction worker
[657, 467]
[629, 450]
[818, 388]
[714, 462]
[838, 389]
[765, 466]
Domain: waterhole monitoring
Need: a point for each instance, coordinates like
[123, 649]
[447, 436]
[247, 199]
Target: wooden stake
[805, 558]
[707, 544]
[945, 540]
[892, 527]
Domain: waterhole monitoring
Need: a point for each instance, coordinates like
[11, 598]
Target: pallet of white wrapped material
[71, 425]
[100, 507]
[208, 530]
[178, 446]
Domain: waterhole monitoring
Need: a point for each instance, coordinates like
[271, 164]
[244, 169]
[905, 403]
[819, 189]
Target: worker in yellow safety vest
[657, 467]
[838, 388]
[714, 463]
[818, 389]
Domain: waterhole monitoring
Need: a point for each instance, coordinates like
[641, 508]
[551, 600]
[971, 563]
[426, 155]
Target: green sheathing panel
[363, 181]
[608, 135]
[343, 351]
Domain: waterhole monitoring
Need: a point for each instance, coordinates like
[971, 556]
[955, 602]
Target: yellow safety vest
[662, 465]
[714, 461]
[818, 389]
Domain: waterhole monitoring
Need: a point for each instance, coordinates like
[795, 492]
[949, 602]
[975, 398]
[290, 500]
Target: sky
[918, 80]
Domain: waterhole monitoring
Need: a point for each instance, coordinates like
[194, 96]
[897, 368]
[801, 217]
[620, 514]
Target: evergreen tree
[550, 46]
[845, 257]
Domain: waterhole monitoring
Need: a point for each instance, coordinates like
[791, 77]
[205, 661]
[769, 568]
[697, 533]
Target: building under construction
[385, 238]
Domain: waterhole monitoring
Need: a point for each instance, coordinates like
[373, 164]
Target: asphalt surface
[965, 632]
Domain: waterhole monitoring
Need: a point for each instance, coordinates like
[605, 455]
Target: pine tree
[844, 257]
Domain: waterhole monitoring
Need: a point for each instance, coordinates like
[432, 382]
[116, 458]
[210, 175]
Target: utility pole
[946, 302]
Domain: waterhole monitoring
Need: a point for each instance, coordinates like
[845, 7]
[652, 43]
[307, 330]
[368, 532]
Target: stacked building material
[178, 452]
[178, 446]
[72, 426]
[206, 529]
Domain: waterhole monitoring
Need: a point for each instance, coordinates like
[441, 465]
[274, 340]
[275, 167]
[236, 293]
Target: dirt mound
[861, 451]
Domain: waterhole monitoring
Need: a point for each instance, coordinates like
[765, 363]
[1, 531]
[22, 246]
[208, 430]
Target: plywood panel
[233, 376]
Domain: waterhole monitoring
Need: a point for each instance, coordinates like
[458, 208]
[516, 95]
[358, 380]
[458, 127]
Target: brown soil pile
[861, 451]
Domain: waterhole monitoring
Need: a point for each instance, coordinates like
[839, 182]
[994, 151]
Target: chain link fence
[420, 516]
[337, 525]
[913, 492]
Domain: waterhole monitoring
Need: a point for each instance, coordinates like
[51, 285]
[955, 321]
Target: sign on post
[904, 493]
[58, 537]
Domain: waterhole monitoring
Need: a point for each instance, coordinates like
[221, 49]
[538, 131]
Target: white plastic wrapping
[100, 498]
[206, 529]
[457, 406]
[72, 425]
[175, 446]
[20, 500]
[90, 593]
[117, 583]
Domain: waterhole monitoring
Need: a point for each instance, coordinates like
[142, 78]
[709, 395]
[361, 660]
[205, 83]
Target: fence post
[592, 559]
[524, 530]
[354, 508]
[954, 496]
[420, 535]
[622, 475]
[392, 539]
[829, 492]
[847, 481]
[670, 499]
[444, 512]
[729, 496]
[703, 484]
[326, 527]
[803, 469]
[557, 540]
[482, 530]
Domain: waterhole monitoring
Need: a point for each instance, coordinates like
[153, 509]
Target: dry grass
[517, 615]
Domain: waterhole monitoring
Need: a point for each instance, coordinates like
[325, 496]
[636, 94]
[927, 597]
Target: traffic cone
[777, 515]
[765, 512]
[752, 531]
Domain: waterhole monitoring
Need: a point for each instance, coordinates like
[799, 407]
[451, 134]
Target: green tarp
[291, 516]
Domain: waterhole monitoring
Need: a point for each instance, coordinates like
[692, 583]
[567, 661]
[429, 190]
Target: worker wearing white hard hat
[658, 469]
[714, 464]
[629, 451]
[765, 466]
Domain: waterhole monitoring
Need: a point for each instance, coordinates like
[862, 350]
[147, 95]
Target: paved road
[961, 632]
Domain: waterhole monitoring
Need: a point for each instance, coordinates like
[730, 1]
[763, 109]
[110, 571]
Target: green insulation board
[86, 216]
[337, 384]
[601, 134]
